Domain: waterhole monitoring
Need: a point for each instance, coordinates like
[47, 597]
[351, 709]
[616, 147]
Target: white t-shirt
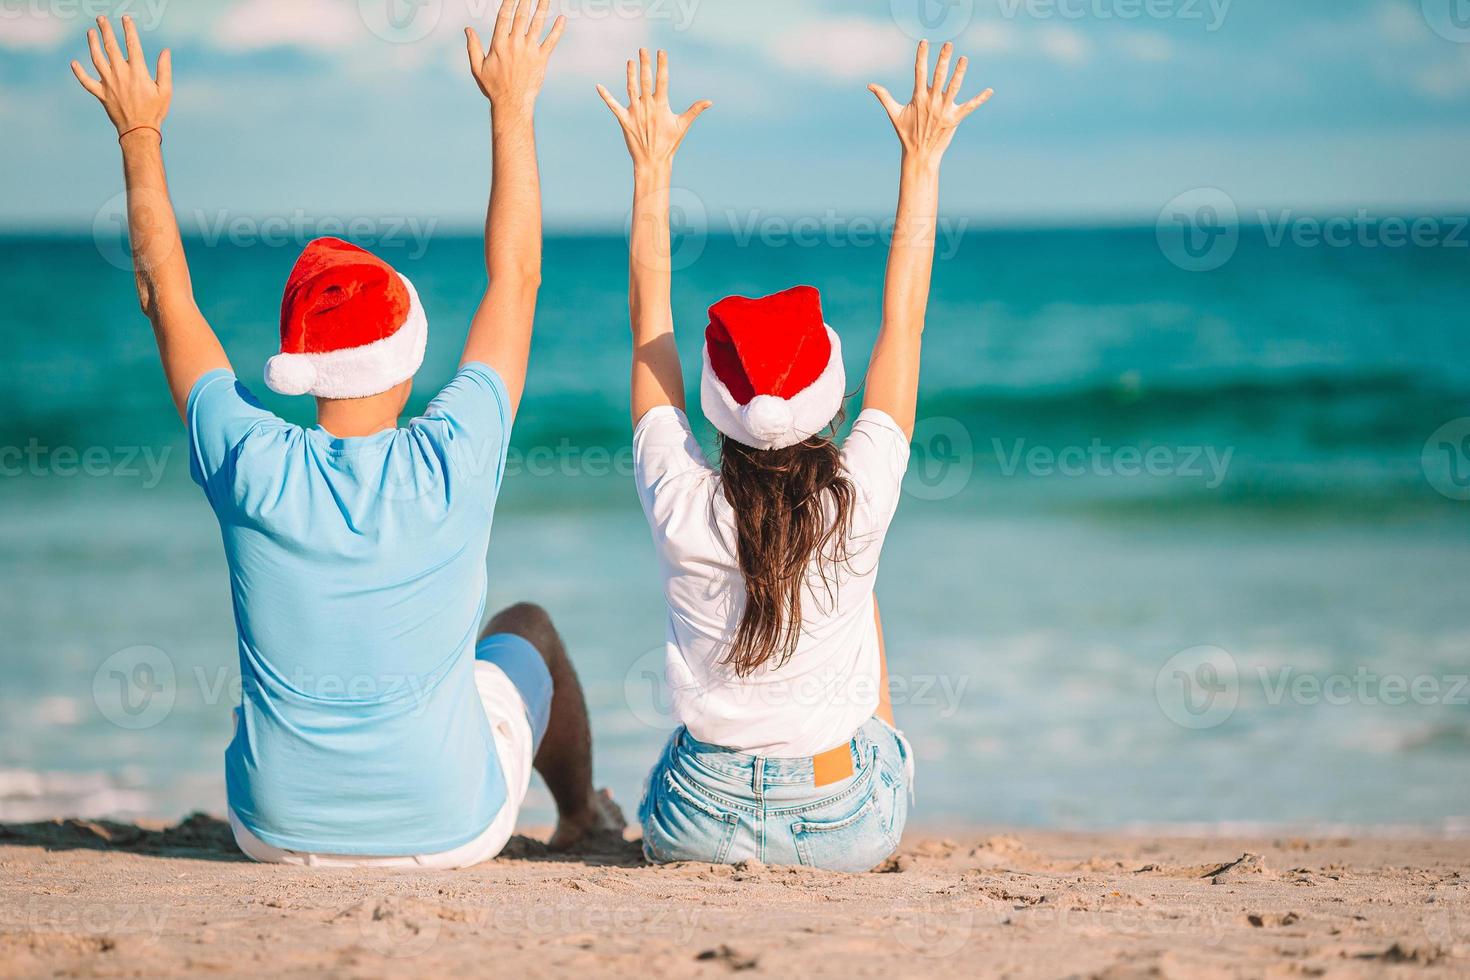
[830, 686]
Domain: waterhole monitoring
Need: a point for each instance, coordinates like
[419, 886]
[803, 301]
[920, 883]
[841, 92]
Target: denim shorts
[707, 803]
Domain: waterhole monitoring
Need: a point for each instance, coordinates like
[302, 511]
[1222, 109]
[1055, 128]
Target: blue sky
[1105, 109]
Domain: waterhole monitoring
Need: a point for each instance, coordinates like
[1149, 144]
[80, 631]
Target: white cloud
[313, 24]
[1064, 45]
[1059, 43]
[1145, 46]
[1401, 50]
[597, 41]
[845, 47]
[1396, 22]
[1446, 80]
[989, 38]
[33, 28]
[596, 48]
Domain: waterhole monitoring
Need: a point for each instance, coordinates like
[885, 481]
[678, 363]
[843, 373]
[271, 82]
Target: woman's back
[788, 751]
[829, 686]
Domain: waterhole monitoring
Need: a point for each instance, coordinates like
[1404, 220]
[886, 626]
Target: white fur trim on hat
[356, 372]
[768, 422]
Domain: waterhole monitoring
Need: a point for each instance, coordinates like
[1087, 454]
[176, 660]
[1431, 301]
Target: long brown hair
[783, 525]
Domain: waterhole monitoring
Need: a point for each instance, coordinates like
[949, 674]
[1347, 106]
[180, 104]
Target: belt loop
[758, 779]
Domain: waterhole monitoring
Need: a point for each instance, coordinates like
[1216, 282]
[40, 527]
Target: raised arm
[510, 75]
[137, 103]
[653, 134]
[925, 128]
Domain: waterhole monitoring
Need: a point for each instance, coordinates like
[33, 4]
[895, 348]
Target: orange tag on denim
[832, 766]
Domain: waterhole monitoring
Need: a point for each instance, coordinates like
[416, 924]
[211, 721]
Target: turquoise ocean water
[1185, 548]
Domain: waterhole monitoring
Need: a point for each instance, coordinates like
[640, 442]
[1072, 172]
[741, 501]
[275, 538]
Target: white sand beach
[84, 899]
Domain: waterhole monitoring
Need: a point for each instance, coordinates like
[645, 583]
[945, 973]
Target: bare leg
[565, 757]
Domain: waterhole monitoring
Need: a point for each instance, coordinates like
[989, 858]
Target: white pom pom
[769, 419]
[290, 374]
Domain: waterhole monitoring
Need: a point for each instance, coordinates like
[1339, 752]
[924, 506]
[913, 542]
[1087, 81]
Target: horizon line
[455, 228]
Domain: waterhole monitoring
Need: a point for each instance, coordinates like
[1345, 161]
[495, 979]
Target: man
[373, 729]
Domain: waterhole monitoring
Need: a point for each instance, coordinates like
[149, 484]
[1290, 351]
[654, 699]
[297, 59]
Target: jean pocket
[680, 824]
[860, 834]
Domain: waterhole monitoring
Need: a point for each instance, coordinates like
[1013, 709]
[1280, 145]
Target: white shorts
[515, 746]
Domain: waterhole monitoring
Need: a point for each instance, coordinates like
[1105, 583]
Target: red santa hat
[773, 372]
[351, 326]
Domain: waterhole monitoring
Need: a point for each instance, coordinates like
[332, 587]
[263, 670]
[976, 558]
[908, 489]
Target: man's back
[374, 729]
[358, 574]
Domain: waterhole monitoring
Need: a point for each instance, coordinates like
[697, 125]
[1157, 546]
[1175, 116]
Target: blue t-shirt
[357, 568]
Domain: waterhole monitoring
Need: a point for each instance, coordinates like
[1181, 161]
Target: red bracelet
[136, 128]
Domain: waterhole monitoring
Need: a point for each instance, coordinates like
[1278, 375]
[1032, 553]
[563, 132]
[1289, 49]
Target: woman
[787, 751]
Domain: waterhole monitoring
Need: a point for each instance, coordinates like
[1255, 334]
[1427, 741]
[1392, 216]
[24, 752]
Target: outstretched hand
[133, 98]
[927, 125]
[651, 129]
[511, 73]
